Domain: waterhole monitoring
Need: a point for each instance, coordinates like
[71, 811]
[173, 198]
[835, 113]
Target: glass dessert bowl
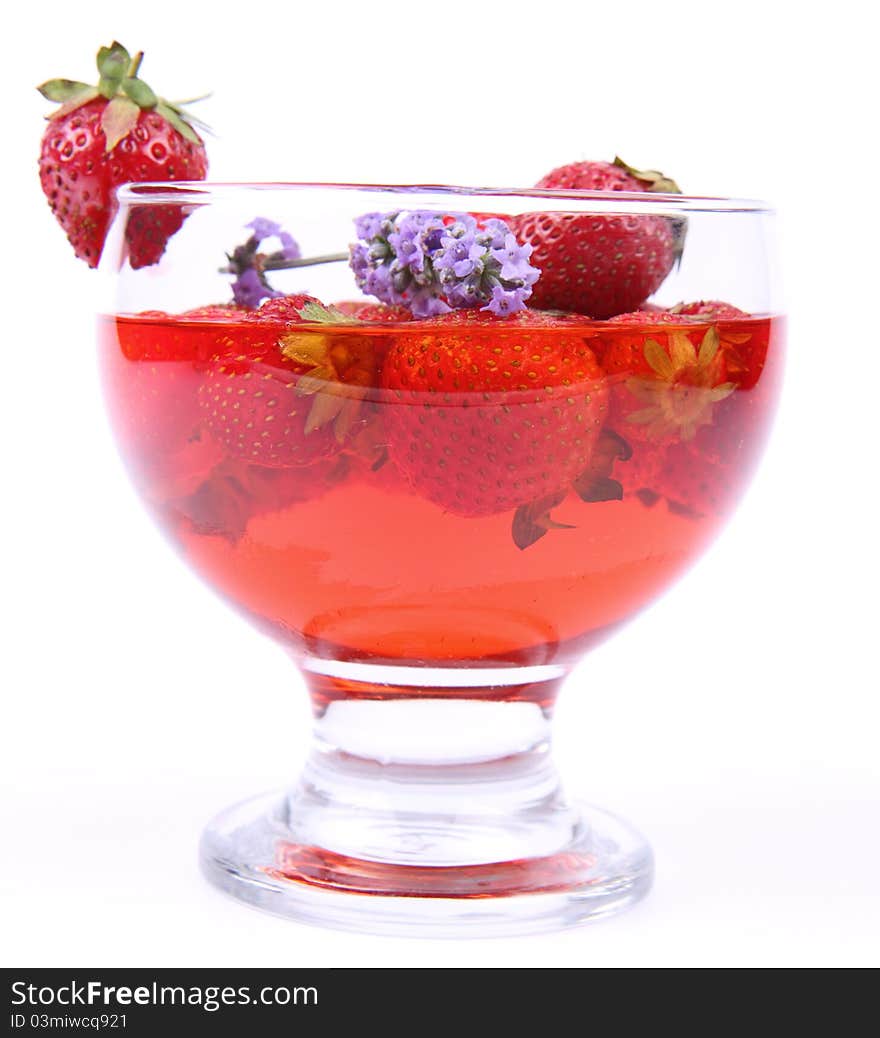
[437, 497]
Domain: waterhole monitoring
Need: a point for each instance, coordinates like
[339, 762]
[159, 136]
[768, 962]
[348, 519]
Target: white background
[736, 722]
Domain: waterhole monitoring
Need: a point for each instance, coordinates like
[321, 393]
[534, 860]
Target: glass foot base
[256, 852]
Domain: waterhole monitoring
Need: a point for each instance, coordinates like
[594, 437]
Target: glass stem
[392, 779]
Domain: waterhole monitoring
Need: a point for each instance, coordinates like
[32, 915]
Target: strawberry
[215, 312]
[666, 382]
[381, 313]
[279, 310]
[711, 310]
[596, 264]
[627, 350]
[154, 371]
[681, 313]
[489, 414]
[709, 402]
[706, 474]
[744, 348]
[280, 397]
[106, 135]
[151, 368]
[647, 315]
[696, 484]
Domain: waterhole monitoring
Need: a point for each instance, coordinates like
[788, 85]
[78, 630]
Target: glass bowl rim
[201, 192]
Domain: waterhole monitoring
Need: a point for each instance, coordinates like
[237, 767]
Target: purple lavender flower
[264, 229]
[373, 225]
[250, 287]
[504, 302]
[498, 229]
[515, 260]
[435, 262]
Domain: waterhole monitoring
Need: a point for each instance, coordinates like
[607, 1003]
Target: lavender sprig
[250, 286]
[437, 262]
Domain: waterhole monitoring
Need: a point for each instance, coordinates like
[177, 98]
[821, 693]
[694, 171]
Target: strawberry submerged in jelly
[678, 380]
[152, 385]
[492, 413]
[276, 397]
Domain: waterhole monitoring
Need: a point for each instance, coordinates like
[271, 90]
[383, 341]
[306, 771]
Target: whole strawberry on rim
[597, 264]
[103, 136]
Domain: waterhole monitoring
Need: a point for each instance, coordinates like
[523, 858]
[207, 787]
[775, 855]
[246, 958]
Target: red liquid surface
[346, 558]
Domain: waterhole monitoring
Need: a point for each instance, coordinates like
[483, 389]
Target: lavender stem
[288, 264]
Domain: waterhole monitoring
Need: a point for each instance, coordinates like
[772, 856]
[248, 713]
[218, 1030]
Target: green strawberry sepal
[126, 94]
